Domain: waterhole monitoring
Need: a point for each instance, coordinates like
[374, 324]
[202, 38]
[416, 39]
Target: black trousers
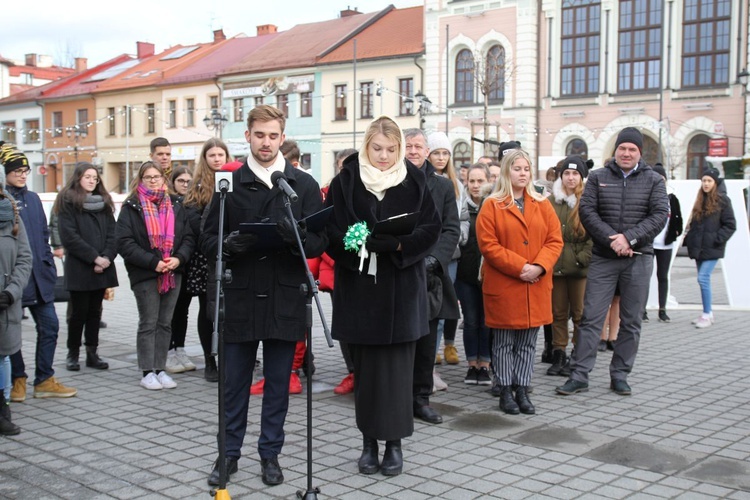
[663, 259]
[424, 364]
[180, 321]
[85, 313]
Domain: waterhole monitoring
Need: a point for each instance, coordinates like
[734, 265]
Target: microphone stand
[217, 347]
[310, 291]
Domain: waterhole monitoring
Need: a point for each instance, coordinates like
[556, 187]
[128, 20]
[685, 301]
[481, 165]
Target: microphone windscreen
[276, 176]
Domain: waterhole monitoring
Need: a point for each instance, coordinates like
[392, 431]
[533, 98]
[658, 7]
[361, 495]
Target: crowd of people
[413, 244]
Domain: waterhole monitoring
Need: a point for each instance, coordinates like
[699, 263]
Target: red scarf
[159, 218]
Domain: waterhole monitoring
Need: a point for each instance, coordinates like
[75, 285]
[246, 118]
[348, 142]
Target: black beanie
[712, 173]
[574, 162]
[631, 135]
[659, 169]
[507, 146]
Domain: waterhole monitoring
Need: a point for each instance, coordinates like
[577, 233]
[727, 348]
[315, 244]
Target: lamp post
[215, 121]
[424, 107]
[76, 131]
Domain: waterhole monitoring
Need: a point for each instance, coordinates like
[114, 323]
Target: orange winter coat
[509, 239]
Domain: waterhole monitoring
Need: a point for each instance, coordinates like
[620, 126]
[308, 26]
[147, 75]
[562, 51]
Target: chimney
[219, 35]
[81, 64]
[349, 12]
[267, 29]
[30, 59]
[145, 49]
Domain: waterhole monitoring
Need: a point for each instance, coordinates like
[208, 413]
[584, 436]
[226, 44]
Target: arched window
[495, 77]
[465, 77]
[577, 147]
[696, 156]
[650, 152]
[461, 154]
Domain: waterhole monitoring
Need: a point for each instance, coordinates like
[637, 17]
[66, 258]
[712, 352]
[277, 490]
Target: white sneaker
[710, 318]
[703, 322]
[151, 382]
[183, 359]
[174, 365]
[166, 381]
[437, 382]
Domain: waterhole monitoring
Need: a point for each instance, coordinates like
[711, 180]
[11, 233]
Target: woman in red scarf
[155, 241]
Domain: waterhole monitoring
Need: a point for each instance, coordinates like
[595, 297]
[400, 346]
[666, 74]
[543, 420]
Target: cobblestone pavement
[684, 433]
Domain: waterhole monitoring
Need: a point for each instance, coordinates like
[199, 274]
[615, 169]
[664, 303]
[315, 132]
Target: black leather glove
[238, 242]
[286, 230]
[6, 299]
[431, 263]
[382, 243]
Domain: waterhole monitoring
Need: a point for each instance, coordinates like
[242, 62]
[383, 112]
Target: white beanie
[438, 140]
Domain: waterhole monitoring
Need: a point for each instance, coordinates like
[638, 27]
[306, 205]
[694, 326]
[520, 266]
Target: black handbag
[61, 294]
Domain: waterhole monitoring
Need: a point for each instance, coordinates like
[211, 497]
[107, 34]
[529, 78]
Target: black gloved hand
[6, 299]
[286, 230]
[431, 263]
[238, 242]
[382, 243]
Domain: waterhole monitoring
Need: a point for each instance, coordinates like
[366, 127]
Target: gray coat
[15, 267]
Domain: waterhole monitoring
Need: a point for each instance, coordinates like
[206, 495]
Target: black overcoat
[86, 236]
[263, 300]
[707, 238]
[393, 308]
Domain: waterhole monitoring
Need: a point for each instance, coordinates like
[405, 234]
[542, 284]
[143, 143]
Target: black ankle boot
[524, 403]
[7, 428]
[93, 360]
[393, 459]
[368, 462]
[71, 362]
[211, 373]
[507, 403]
[547, 353]
[558, 361]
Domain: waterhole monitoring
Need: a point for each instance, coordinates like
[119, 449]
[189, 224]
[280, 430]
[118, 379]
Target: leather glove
[6, 299]
[286, 230]
[431, 263]
[382, 243]
[238, 242]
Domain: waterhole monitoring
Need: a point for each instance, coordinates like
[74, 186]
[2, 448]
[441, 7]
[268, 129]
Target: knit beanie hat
[659, 169]
[11, 158]
[712, 173]
[6, 210]
[631, 135]
[574, 162]
[438, 140]
[507, 146]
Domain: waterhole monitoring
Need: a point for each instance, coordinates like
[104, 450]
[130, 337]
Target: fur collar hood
[560, 196]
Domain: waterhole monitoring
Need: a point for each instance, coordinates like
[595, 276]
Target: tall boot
[93, 360]
[71, 362]
[368, 462]
[211, 373]
[393, 459]
[7, 428]
[507, 403]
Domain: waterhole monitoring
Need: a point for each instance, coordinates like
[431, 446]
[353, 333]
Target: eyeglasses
[91, 178]
[21, 171]
[152, 178]
[182, 181]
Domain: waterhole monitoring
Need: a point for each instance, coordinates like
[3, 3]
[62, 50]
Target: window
[495, 77]
[464, 77]
[258, 101]
[190, 112]
[305, 104]
[172, 105]
[705, 47]
[580, 47]
[213, 102]
[150, 118]
[282, 102]
[365, 99]
[340, 110]
[111, 119]
[9, 131]
[32, 131]
[577, 147]
[237, 113]
[639, 56]
[696, 156]
[28, 78]
[406, 96]
[57, 124]
[461, 154]
[82, 118]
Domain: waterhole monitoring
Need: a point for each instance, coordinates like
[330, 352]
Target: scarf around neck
[159, 218]
[93, 203]
[262, 173]
[378, 181]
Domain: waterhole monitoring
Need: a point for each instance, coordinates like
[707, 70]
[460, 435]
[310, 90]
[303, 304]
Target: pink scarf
[159, 218]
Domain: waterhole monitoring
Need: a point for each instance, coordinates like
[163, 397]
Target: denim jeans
[47, 327]
[476, 333]
[154, 323]
[5, 382]
[705, 268]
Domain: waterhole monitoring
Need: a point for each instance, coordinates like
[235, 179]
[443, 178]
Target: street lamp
[742, 77]
[215, 121]
[76, 131]
[424, 107]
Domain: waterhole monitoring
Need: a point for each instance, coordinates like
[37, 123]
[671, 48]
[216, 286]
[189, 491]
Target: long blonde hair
[504, 188]
[202, 188]
[574, 218]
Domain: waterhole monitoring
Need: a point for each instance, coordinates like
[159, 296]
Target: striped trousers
[513, 355]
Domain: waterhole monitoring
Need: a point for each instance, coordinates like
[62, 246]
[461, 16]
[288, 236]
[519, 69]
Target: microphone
[223, 182]
[279, 179]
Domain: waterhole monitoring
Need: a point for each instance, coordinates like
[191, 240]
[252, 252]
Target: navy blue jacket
[41, 286]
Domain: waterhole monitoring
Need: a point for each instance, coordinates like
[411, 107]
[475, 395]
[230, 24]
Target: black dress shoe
[428, 415]
[393, 459]
[620, 387]
[507, 403]
[271, 471]
[368, 462]
[572, 387]
[214, 479]
[524, 403]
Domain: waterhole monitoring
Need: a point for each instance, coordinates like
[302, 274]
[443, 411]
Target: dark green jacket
[576, 255]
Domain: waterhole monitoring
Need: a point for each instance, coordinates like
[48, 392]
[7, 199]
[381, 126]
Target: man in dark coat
[444, 196]
[262, 300]
[39, 294]
[623, 207]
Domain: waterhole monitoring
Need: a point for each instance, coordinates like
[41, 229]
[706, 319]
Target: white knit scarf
[378, 181]
[264, 173]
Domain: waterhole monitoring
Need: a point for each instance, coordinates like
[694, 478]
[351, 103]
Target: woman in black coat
[711, 225]
[380, 313]
[86, 224]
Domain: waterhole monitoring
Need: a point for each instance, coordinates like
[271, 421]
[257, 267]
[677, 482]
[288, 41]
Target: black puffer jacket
[635, 206]
[707, 238]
